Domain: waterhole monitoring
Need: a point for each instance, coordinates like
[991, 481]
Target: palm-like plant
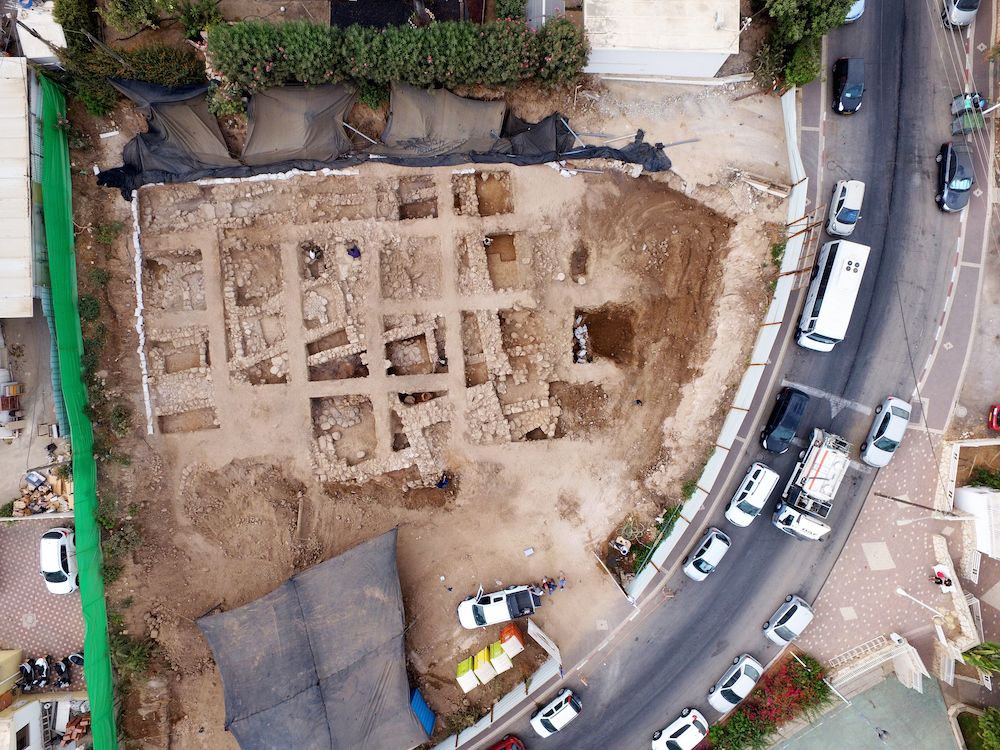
[985, 656]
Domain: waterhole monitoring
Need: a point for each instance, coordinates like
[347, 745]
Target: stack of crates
[482, 667]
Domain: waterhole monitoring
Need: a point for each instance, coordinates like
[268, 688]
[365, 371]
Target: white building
[16, 271]
[984, 504]
[661, 38]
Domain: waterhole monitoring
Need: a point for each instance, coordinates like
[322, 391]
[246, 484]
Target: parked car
[784, 420]
[956, 176]
[57, 560]
[848, 85]
[710, 550]
[788, 621]
[489, 609]
[845, 207]
[959, 12]
[855, 12]
[752, 495]
[735, 684]
[509, 742]
[993, 418]
[887, 430]
[556, 714]
[684, 734]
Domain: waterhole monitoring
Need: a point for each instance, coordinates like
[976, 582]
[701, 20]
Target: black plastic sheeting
[318, 664]
[186, 149]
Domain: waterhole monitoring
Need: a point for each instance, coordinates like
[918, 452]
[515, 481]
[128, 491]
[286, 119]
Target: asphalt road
[673, 653]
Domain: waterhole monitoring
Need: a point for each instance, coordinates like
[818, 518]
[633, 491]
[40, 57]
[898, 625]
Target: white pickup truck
[490, 609]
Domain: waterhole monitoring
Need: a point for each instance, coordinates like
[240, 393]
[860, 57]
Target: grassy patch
[969, 724]
[777, 254]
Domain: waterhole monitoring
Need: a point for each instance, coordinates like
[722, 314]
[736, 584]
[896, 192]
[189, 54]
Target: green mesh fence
[58, 211]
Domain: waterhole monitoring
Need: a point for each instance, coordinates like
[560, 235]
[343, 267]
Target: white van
[752, 494]
[832, 293]
[798, 524]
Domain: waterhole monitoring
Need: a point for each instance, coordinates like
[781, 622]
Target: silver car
[788, 621]
[887, 430]
[855, 12]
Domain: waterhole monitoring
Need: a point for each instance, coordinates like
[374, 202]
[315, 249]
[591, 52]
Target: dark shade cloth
[318, 664]
[297, 122]
[427, 129]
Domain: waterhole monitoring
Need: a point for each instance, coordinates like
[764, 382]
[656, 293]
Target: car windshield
[731, 697]
[703, 566]
[751, 510]
[886, 444]
[701, 727]
[477, 614]
[967, 4]
[848, 215]
[853, 91]
[750, 672]
[784, 633]
[56, 576]
[787, 616]
[822, 339]
[784, 434]
[733, 679]
[680, 732]
[671, 745]
[900, 412]
[548, 725]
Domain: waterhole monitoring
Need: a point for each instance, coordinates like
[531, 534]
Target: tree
[989, 728]
[985, 656]
[797, 19]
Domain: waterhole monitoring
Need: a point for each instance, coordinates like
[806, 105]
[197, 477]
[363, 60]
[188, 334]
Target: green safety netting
[57, 206]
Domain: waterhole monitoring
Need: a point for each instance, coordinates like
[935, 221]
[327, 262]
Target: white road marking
[837, 404]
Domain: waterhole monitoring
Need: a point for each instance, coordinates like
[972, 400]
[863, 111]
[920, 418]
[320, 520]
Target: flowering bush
[256, 55]
[792, 689]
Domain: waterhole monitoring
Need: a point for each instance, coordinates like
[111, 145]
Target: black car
[784, 420]
[848, 84]
[956, 176]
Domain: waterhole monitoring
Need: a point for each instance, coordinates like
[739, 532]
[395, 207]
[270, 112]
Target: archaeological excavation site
[445, 351]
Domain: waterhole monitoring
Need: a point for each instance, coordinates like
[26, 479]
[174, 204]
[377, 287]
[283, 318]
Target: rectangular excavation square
[415, 344]
[252, 286]
[411, 268]
[482, 193]
[343, 429]
[417, 197]
[604, 332]
[180, 379]
[173, 281]
[501, 261]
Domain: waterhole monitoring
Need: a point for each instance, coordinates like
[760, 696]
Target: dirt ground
[303, 405]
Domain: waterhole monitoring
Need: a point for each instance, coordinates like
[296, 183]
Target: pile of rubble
[44, 493]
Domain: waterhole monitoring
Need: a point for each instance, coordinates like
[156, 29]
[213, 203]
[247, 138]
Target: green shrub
[198, 15]
[799, 19]
[989, 728]
[223, 101]
[511, 8]
[121, 419]
[374, 95]
[122, 541]
[130, 656]
[111, 570]
[982, 477]
[99, 276]
[777, 254]
[107, 233]
[255, 55]
[129, 16]
[804, 65]
[76, 16]
[90, 308]
[7, 509]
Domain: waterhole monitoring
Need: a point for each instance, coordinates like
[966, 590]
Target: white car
[887, 430]
[788, 621]
[736, 684]
[490, 609]
[684, 734]
[752, 495]
[556, 714]
[855, 12]
[845, 207]
[710, 550]
[57, 560]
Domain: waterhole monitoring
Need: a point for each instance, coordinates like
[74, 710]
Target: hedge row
[256, 55]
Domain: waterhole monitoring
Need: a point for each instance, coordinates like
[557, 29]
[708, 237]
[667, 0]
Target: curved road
[677, 646]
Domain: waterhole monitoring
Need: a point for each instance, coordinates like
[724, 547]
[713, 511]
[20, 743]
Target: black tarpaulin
[299, 127]
[296, 122]
[318, 664]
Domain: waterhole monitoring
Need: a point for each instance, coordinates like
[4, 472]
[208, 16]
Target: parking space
[887, 716]
[33, 620]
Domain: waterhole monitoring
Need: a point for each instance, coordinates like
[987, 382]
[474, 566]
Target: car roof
[963, 160]
[854, 191]
[48, 553]
[794, 401]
